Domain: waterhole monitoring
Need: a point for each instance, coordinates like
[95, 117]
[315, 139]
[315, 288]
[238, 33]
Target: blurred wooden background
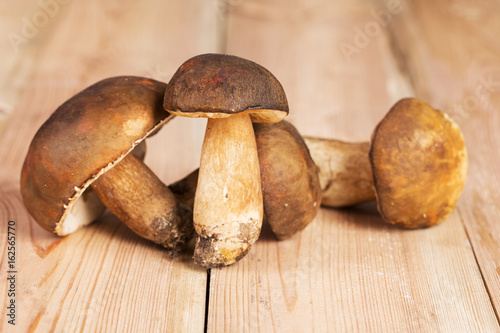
[343, 64]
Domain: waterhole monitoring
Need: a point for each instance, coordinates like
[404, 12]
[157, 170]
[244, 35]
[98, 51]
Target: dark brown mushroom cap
[419, 164]
[290, 183]
[217, 86]
[83, 138]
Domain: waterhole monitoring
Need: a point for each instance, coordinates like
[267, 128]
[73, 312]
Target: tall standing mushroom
[231, 92]
[86, 143]
[415, 166]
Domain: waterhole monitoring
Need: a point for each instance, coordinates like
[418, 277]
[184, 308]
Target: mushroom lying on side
[86, 143]
[290, 183]
[231, 92]
[415, 166]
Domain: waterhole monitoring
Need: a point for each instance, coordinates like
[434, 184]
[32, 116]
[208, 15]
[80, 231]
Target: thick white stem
[228, 205]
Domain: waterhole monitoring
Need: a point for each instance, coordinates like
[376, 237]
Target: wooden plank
[347, 271]
[102, 278]
[455, 63]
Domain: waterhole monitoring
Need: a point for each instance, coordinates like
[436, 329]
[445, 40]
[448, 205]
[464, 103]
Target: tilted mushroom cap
[218, 86]
[419, 164]
[290, 183]
[82, 139]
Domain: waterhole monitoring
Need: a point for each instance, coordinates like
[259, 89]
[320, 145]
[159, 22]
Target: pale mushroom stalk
[132, 192]
[345, 173]
[228, 206]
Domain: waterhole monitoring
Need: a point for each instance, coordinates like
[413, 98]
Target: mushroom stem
[132, 192]
[185, 189]
[228, 205]
[345, 172]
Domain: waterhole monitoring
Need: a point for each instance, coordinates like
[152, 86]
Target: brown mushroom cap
[218, 86]
[419, 164]
[82, 139]
[290, 183]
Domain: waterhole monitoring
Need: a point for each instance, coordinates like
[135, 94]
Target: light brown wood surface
[347, 271]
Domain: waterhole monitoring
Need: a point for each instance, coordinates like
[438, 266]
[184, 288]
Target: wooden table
[343, 64]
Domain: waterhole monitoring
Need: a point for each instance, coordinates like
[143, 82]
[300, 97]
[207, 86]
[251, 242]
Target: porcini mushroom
[290, 184]
[415, 166]
[86, 143]
[231, 92]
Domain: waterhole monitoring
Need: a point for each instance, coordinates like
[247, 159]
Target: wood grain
[102, 278]
[347, 271]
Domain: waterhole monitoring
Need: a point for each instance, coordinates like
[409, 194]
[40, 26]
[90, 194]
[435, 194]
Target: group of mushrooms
[89, 154]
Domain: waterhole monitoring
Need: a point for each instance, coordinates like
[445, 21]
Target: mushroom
[231, 92]
[415, 166]
[290, 184]
[86, 143]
